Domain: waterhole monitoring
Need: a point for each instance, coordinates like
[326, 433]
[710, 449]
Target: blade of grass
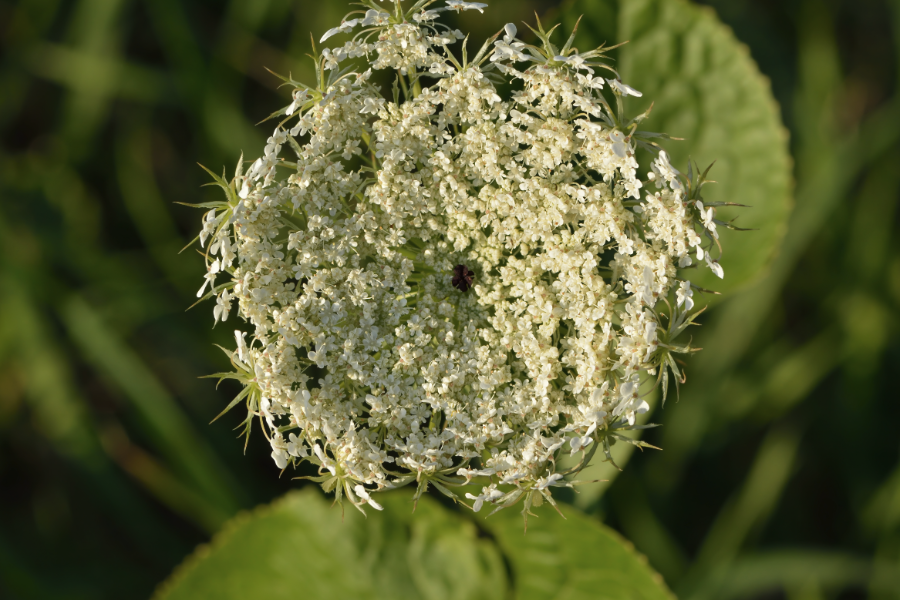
[93, 29]
[147, 209]
[98, 76]
[757, 575]
[642, 527]
[160, 482]
[61, 417]
[167, 426]
[747, 510]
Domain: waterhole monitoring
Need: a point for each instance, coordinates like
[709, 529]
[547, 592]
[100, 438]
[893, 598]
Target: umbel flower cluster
[458, 278]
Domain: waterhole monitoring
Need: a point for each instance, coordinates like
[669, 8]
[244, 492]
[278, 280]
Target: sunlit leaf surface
[301, 545]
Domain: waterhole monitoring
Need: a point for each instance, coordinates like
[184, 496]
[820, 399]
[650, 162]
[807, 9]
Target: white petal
[331, 32]
[630, 91]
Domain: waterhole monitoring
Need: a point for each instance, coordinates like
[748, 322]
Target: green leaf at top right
[708, 91]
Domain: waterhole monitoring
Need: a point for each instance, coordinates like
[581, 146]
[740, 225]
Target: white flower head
[450, 282]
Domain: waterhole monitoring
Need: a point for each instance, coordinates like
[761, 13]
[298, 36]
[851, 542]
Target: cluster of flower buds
[444, 285]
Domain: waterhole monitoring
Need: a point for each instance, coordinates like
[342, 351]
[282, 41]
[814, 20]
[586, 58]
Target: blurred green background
[780, 475]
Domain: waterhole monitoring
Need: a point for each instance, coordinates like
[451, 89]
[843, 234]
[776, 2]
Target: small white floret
[457, 5]
[364, 496]
[623, 89]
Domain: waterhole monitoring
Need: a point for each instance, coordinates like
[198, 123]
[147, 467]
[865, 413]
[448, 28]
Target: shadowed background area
[780, 475]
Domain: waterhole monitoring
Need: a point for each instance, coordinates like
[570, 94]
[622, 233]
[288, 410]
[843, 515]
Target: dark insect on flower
[462, 278]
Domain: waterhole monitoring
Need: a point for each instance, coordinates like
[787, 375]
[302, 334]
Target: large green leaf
[705, 88]
[300, 546]
[573, 558]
